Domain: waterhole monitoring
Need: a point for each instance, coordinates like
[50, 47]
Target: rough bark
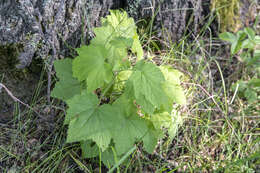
[171, 16]
[37, 25]
[47, 29]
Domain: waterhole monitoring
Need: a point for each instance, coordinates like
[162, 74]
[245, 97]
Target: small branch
[16, 99]
[207, 93]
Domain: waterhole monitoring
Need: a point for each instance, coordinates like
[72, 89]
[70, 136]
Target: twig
[205, 91]
[16, 99]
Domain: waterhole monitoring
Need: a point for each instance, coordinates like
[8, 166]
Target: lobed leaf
[145, 85]
[84, 103]
[151, 137]
[113, 128]
[118, 53]
[168, 121]
[132, 127]
[89, 149]
[125, 27]
[91, 66]
[172, 85]
[93, 123]
[67, 86]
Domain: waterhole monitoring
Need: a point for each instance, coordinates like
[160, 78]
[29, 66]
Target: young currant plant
[115, 97]
[246, 44]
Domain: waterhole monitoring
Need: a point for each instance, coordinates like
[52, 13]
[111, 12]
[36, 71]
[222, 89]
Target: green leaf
[67, 86]
[171, 74]
[103, 35]
[257, 55]
[120, 79]
[250, 32]
[237, 45]
[132, 127]
[236, 41]
[125, 27]
[145, 85]
[146, 105]
[255, 61]
[94, 124]
[254, 82]
[241, 35]
[151, 138]
[118, 53]
[115, 44]
[110, 126]
[81, 104]
[257, 39]
[89, 149]
[177, 120]
[248, 44]
[227, 36]
[90, 66]
[122, 42]
[107, 158]
[234, 49]
[168, 121]
[125, 106]
[172, 85]
[136, 128]
[137, 47]
[160, 120]
[175, 93]
[124, 75]
[251, 95]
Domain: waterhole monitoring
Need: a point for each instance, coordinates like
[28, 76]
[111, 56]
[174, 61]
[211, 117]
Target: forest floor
[220, 130]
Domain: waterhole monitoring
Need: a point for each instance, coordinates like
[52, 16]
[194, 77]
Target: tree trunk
[39, 25]
[46, 29]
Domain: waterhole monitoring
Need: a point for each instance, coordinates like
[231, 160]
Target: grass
[220, 132]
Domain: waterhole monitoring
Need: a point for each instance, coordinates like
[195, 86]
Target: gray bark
[37, 25]
[46, 29]
[170, 15]
[41, 25]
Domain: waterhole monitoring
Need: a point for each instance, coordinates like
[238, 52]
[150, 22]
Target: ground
[220, 132]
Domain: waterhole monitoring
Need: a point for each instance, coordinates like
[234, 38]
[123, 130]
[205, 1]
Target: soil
[21, 83]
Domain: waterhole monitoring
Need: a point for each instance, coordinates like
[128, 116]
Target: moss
[21, 82]
[133, 7]
[9, 56]
[227, 14]
[9, 60]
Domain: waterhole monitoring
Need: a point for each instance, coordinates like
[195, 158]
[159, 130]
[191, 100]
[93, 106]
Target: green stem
[122, 159]
[107, 88]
